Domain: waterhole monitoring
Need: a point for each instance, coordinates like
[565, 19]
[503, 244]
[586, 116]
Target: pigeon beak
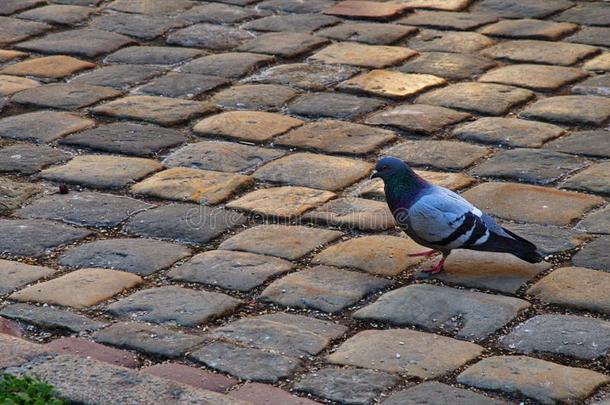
[375, 175]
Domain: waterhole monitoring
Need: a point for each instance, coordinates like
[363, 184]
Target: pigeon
[439, 219]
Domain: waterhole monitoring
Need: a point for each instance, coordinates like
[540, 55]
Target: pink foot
[425, 254]
[436, 269]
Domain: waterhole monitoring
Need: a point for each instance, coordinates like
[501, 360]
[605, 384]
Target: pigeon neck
[402, 188]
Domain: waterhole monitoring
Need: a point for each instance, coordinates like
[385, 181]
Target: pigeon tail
[514, 244]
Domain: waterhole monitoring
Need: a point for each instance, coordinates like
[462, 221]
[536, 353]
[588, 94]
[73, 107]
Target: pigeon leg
[425, 254]
[437, 268]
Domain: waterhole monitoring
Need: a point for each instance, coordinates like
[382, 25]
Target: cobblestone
[270, 97]
[315, 171]
[281, 202]
[16, 274]
[418, 118]
[509, 132]
[333, 105]
[253, 126]
[438, 154]
[49, 67]
[373, 56]
[146, 27]
[102, 171]
[346, 386]
[84, 208]
[334, 136]
[160, 110]
[595, 254]
[488, 99]
[322, 287]
[466, 315]
[189, 223]
[122, 121]
[499, 272]
[191, 376]
[173, 306]
[156, 340]
[437, 393]
[193, 185]
[368, 33]
[545, 205]
[305, 75]
[420, 355]
[246, 363]
[590, 143]
[593, 179]
[11, 84]
[86, 380]
[450, 41]
[14, 194]
[574, 287]
[586, 110]
[127, 138]
[81, 288]
[534, 51]
[64, 96]
[569, 335]
[448, 65]
[86, 348]
[27, 158]
[33, 237]
[241, 271]
[289, 242]
[283, 44]
[263, 394]
[42, 126]
[138, 256]
[220, 156]
[531, 377]
[529, 165]
[290, 335]
[354, 213]
[83, 42]
[378, 254]
[50, 317]
[535, 77]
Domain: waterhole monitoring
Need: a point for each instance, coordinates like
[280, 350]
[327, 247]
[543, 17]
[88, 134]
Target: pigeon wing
[443, 218]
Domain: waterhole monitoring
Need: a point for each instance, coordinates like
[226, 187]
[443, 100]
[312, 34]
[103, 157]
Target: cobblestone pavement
[220, 241]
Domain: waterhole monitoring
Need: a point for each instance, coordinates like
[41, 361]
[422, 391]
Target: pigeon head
[390, 167]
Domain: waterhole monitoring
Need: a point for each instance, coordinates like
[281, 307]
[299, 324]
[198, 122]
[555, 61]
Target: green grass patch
[26, 391]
